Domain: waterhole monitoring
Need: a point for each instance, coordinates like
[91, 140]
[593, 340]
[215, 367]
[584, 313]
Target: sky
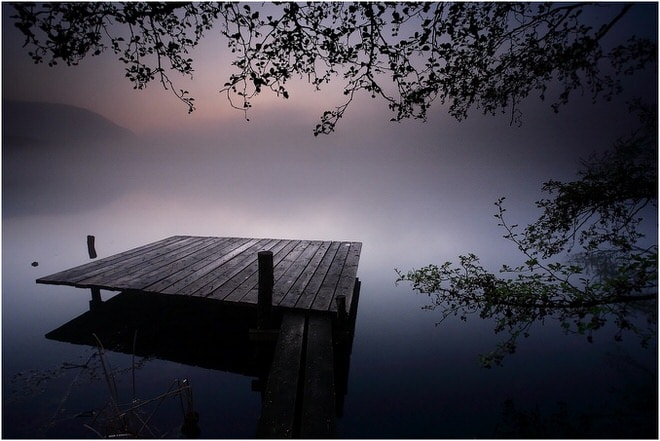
[420, 182]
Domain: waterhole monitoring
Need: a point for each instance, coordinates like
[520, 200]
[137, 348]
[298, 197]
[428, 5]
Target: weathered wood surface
[308, 275]
[279, 409]
[299, 400]
[318, 416]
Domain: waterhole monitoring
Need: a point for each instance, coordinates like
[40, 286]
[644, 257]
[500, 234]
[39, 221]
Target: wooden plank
[131, 269]
[219, 247]
[323, 299]
[318, 415]
[248, 275]
[70, 276]
[291, 258]
[246, 281]
[209, 272]
[207, 266]
[120, 266]
[167, 266]
[278, 412]
[310, 291]
[207, 284]
[283, 270]
[294, 293]
[348, 276]
[233, 268]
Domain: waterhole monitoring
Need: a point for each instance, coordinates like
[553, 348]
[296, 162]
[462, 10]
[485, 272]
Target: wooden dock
[311, 286]
[308, 275]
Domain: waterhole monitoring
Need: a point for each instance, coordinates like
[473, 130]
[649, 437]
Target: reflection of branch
[579, 304]
[87, 426]
[67, 394]
[109, 378]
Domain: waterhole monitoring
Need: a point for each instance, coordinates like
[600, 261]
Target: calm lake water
[408, 377]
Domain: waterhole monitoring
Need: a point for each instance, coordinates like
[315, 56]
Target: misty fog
[411, 191]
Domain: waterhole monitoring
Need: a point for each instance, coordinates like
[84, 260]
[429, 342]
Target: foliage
[591, 223]
[488, 56]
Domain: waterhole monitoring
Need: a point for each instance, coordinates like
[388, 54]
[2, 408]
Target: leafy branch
[487, 56]
[585, 262]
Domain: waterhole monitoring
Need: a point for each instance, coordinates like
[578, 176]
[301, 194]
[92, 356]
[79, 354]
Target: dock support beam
[266, 281]
[96, 301]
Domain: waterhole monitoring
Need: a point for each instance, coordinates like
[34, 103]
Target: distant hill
[59, 158]
[36, 122]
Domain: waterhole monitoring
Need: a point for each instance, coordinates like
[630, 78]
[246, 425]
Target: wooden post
[96, 301]
[266, 280]
[90, 247]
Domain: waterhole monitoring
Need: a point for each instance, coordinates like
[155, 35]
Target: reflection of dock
[217, 293]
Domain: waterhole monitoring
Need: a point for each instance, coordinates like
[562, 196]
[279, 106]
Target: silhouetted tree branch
[584, 259]
[487, 56]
